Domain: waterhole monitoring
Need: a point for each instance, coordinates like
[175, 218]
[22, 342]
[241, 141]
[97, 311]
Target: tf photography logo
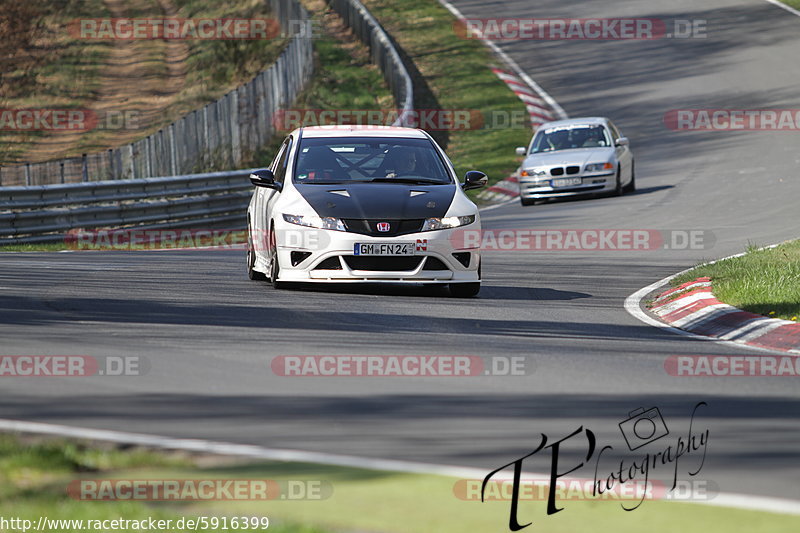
[641, 428]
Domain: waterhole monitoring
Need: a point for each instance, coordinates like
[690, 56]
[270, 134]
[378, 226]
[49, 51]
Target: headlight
[447, 222]
[533, 173]
[597, 167]
[313, 221]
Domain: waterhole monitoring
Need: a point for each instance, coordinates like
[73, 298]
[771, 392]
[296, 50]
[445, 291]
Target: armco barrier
[219, 135]
[45, 213]
[382, 52]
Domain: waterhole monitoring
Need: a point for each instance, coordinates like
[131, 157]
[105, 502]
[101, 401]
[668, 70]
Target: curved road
[209, 334]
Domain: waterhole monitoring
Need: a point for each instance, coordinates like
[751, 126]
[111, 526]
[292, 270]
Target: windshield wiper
[415, 181]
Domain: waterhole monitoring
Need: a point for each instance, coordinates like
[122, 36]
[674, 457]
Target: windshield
[356, 159]
[569, 138]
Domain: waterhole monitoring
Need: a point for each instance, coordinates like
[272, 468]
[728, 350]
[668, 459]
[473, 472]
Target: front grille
[331, 263]
[573, 170]
[434, 263]
[370, 226]
[299, 257]
[382, 263]
[557, 171]
[570, 189]
[463, 258]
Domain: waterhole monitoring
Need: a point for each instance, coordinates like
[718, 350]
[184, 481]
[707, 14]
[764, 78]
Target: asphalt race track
[209, 334]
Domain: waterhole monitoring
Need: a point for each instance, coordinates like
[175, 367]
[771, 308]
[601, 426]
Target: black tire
[251, 259]
[618, 188]
[631, 187]
[527, 201]
[274, 263]
[464, 290]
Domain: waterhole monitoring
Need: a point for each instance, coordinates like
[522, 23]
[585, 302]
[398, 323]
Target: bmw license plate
[566, 182]
[384, 248]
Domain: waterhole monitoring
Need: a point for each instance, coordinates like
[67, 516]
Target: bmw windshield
[326, 161]
[570, 138]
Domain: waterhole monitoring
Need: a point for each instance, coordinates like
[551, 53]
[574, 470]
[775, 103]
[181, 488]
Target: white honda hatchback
[344, 204]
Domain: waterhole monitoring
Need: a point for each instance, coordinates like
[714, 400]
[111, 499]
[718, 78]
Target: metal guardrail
[45, 213]
[221, 134]
[382, 52]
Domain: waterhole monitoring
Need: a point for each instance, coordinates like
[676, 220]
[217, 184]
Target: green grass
[33, 477]
[457, 71]
[67, 72]
[344, 78]
[41, 247]
[766, 282]
[792, 3]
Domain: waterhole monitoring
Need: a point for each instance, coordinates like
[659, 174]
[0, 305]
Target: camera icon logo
[643, 427]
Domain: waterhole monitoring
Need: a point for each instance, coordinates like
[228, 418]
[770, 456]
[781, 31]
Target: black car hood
[390, 201]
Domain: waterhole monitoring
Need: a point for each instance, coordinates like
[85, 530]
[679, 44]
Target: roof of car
[362, 131]
[575, 121]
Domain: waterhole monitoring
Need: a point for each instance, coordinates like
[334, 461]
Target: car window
[614, 131]
[570, 137]
[283, 161]
[348, 159]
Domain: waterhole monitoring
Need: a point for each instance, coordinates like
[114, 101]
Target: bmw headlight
[447, 222]
[599, 167]
[532, 172]
[313, 221]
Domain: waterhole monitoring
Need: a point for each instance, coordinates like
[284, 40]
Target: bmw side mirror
[521, 150]
[622, 141]
[264, 178]
[474, 179]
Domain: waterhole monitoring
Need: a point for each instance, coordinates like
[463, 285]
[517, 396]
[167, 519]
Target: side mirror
[264, 178]
[622, 141]
[474, 179]
[521, 150]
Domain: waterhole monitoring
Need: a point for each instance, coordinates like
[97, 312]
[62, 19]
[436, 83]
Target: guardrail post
[61, 164]
[173, 151]
[111, 175]
[85, 169]
[28, 174]
[234, 119]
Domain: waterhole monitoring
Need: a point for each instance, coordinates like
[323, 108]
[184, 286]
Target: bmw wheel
[632, 185]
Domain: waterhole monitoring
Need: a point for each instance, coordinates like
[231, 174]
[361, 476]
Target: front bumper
[541, 189]
[438, 258]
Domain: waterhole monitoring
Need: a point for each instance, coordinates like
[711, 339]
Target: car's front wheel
[527, 201]
[251, 258]
[618, 188]
[631, 187]
[274, 263]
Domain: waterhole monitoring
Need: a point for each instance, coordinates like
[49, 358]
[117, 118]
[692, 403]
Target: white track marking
[739, 501]
[791, 10]
[513, 65]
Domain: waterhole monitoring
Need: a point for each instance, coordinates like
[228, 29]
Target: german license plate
[566, 182]
[384, 248]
